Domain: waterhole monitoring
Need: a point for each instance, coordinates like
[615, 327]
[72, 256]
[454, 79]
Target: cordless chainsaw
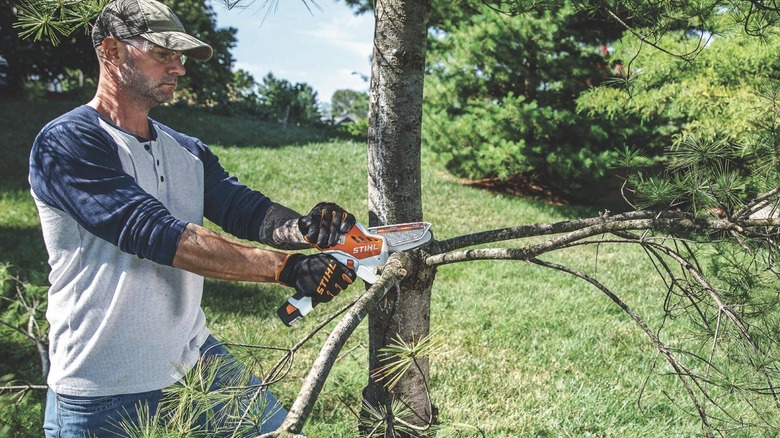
[363, 250]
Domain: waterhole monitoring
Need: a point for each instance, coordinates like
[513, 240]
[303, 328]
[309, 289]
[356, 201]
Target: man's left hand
[319, 276]
[325, 224]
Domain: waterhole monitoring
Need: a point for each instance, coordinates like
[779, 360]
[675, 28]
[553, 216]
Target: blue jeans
[105, 416]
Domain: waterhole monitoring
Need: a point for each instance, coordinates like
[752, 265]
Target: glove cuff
[285, 275]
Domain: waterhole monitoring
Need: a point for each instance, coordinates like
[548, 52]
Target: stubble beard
[147, 90]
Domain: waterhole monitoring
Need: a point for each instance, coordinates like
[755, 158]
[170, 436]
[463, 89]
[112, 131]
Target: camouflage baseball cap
[150, 20]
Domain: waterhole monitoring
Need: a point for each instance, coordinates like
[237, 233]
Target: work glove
[325, 224]
[319, 276]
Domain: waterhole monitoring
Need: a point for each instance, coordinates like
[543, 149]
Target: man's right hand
[325, 223]
[319, 276]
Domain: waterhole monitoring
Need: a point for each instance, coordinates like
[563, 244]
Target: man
[122, 199]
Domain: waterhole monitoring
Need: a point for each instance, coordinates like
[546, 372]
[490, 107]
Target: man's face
[150, 71]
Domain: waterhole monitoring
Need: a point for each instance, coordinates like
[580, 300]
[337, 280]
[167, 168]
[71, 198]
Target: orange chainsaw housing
[358, 244]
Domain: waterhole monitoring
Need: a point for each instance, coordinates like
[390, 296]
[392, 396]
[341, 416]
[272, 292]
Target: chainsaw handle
[295, 308]
[298, 305]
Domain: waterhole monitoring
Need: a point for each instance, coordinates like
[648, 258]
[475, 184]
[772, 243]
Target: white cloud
[351, 33]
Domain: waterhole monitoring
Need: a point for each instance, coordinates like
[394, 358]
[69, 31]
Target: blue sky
[321, 47]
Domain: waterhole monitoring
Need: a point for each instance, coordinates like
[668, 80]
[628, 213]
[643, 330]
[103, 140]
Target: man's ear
[110, 49]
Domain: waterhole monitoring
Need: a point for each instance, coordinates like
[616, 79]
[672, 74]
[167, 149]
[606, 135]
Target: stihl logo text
[365, 248]
[322, 288]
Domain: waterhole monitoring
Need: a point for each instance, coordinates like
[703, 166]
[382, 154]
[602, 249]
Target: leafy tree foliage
[287, 103]
[505, 77]
[716, 117]
[242, 94]
[346, 102]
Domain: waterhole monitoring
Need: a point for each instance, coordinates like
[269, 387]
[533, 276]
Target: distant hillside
[236, 130]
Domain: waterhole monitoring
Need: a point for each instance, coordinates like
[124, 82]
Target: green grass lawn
[529, 351]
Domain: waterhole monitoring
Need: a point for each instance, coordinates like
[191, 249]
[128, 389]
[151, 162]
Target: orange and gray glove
[320, 276]
[325, 224]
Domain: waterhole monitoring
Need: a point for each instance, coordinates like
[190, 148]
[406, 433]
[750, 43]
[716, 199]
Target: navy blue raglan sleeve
[74, 166]
[228, 203]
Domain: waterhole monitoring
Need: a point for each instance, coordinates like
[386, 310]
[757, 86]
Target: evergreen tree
[501, 93]
[710, 120]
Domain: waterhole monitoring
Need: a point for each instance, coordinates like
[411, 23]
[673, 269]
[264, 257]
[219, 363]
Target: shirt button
[162, 179]
[147, 147]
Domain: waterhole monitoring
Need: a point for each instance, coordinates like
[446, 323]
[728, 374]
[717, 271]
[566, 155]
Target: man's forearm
[206, 253]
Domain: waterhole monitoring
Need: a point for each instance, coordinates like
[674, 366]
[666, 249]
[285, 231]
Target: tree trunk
[395, 118]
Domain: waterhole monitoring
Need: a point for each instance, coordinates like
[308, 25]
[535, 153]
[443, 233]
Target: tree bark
[395, 196]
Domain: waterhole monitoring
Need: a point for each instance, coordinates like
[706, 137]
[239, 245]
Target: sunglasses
[159, 54]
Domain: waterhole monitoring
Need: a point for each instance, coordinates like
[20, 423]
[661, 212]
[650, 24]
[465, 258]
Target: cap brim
[181, 42]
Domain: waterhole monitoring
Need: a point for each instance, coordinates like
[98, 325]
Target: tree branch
[393, 272]
[599, 226]
[518, 232]
[22, 388]
[577, 230]
[756, 203]
[684, 56]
